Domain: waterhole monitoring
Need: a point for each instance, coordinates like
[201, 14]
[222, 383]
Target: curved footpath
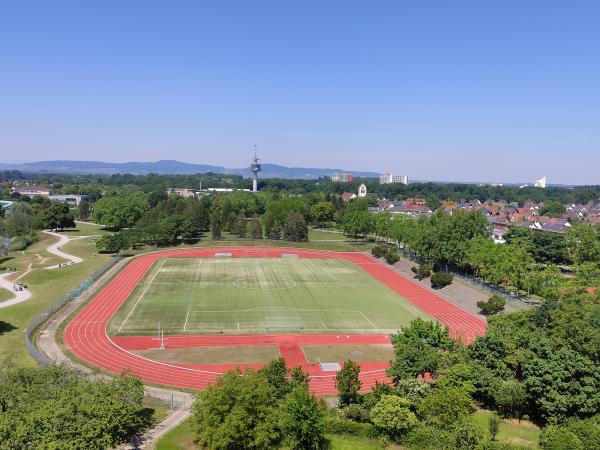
[19, 296]
[47, 344]
[24, 294]
[87, 337]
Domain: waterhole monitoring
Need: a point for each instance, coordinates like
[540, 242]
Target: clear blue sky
[440, 90]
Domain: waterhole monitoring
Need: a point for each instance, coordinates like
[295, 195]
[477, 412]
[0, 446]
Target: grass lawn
[357, 353]
[46, 286]
[261, 295]
[34, 256]
[244, 354]
[82, 229]
[5, 294]
[318, 235]
[524, 434]
[181, 438]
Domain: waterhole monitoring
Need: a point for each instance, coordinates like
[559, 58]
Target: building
[388, 178]
[541, 183]
[362, 191]
[347, 196]
[185, 193]
[32, 190]
[69, 199]
[255, 167]
[341, 177]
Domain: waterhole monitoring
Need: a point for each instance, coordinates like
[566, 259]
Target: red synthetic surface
[86, 334]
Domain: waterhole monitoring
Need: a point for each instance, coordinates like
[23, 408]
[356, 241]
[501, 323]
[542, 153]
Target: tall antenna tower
[255, 168]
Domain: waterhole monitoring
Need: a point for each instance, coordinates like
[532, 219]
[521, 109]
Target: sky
[504, 91]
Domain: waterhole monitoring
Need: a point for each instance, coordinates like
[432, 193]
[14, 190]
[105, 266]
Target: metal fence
[73, 294]
[513, 298]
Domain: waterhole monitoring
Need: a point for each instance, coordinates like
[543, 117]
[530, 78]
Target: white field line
[368, 320]
[186, 320]
[323, 325]
[162, 262]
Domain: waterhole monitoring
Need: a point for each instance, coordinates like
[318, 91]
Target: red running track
[87, 338]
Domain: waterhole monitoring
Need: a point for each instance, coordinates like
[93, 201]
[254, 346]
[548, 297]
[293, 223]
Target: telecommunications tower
[255, 168]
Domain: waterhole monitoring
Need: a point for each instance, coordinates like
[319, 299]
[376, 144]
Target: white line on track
[162, 262]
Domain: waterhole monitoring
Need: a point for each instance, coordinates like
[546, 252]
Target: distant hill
[165, 167]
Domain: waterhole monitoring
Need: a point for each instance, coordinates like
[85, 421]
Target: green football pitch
[261, 295]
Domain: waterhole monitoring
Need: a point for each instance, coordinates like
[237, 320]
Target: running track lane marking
[87, 334]
[162, 263]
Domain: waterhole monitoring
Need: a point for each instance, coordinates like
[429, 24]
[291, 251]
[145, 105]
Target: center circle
[247, 283]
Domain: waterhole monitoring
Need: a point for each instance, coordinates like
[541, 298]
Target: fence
[513, 298]
[70, 296]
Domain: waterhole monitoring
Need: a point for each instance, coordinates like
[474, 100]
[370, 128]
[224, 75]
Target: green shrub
[440, 280]
[338, 425]
[422, 272]
[379, 251]
[20, 243]
[494, 305]
[428, 438]
[392, 256]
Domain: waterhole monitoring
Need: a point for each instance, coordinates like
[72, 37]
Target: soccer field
[261, 295]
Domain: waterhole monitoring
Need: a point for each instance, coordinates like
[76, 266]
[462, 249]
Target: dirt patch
[245, 354]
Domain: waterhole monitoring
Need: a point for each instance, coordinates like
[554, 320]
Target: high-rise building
[541, 183]
[341, 177]
[388, 178]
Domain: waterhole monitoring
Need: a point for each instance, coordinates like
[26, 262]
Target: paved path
[62, 240]
[459, 294]
[47, 344]
[19, 296]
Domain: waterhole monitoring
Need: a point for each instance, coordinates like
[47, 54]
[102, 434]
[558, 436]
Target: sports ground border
[86, 334]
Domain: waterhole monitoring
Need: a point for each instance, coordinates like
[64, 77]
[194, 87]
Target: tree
[466, 435]
[348, 383]
[299, 376]
[303, 419]
[493, 426]
[295, 228]
[255, 228]
[241, 226]
[83, 210]
[393, 416]
[58, 216]
[322, 212]
[583, 242]
[237, 412]
[446, 405]
[555, 437]
[358, 223]
[272, 228]
[112, 243]
[552, 208]
[276, 374]
[215, 225]
[121, 211]
[493, 305]
[56, 407]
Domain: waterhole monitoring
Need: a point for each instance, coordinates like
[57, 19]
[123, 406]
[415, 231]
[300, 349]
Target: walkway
[62, 240]
[19, 296]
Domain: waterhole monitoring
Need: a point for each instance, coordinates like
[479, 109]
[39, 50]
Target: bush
[440, 280]
[337, 425]
[556, 437]
[494, 305]
[422, 272]
[21, 242]
[392, 256]
[428, 438]
[379, 251]
[357, 413]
